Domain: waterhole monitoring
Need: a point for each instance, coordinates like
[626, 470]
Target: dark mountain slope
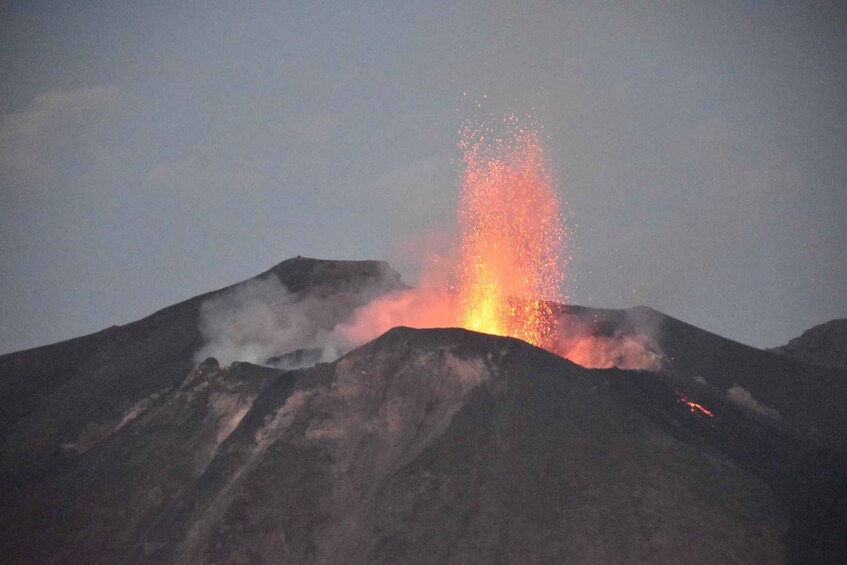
[422, 446]
[70, 395]
[809, 397]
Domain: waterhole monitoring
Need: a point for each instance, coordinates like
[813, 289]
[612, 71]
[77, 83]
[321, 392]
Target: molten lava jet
[508, 269]
[512, 255]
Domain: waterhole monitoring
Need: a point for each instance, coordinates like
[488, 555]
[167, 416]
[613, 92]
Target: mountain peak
[299, 273]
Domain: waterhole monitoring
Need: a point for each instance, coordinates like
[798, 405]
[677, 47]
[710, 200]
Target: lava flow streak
[693, 407]
[513, 240]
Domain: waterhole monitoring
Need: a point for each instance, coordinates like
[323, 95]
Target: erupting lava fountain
[513, 248]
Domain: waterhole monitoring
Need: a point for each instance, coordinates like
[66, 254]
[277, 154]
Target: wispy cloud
[199, 176]
[26, 135]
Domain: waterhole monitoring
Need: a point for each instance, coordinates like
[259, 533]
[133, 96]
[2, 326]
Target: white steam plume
[261, 322]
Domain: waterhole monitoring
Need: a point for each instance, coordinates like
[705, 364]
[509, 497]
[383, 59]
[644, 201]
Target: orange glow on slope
[693, 407]
[513, 240]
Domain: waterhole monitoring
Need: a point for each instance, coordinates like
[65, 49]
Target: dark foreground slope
[424, 446]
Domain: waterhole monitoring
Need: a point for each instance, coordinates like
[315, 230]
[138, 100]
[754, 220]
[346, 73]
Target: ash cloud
[415, 308]
[620, 351]
[600, 341]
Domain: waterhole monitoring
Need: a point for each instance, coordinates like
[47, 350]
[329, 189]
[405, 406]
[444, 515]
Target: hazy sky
[153, 151]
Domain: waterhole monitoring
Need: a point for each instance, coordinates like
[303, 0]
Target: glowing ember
[512, 249]
[693, 407]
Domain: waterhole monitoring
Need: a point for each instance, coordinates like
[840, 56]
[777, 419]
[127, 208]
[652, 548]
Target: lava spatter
[512, 254]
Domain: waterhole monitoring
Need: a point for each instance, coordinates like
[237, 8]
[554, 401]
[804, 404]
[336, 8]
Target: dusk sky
[150, 152]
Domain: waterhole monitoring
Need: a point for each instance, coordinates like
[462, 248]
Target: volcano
[437, 445]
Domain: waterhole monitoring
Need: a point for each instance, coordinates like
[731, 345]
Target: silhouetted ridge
[824, 345]
[302, 273]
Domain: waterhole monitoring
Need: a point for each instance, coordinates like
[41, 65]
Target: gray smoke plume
[261, 320]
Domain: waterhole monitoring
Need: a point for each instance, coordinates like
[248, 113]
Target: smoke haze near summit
[149, 153]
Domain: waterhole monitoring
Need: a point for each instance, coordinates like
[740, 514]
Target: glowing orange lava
[693, 407]
[513, 240]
